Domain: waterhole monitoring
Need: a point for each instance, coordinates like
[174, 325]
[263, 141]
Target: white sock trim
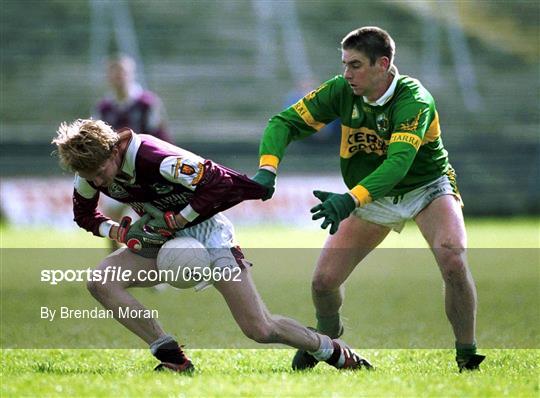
[341, 360]
[162, 340]
[325, 350]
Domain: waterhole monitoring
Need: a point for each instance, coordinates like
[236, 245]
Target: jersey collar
[389, 93]
[128, 164]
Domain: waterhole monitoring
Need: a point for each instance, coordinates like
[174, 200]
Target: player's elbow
[97, 286]
[398, 165]
[401, 170]
[83, 222]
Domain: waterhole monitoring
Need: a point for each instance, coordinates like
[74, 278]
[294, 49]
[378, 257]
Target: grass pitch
[508, 317]
[263, 373]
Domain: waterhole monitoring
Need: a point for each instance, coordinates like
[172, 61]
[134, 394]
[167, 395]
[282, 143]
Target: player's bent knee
[452, 262]
[260, 332]
[324, 283]
[95, 288]
[103, 285]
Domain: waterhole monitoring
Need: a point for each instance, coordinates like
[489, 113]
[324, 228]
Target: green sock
[465, 350]
[330, 325]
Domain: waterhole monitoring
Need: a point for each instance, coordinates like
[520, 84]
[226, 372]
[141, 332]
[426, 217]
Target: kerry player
[179, 192]
[396, 168]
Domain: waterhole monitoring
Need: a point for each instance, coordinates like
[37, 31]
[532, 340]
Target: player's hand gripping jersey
[387, 149]
[168, 177]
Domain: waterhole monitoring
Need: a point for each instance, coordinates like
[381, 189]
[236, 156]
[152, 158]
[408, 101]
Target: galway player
[394, 163]
[129, 106]
[184, 194]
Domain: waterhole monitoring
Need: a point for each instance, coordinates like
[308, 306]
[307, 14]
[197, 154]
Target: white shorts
[217, 235]
[394, 211]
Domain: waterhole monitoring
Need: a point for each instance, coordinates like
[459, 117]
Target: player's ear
[115, 152]
[384, 63]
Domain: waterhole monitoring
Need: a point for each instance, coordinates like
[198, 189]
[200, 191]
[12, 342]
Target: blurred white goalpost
[283, 16]
[112, 17]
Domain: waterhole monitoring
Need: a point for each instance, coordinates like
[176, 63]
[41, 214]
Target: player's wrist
[267, 179]
[180, 220]
[171, 220]
[175, 221]
[270, 169]
[355, 200]
[113, 232]
[186, 215]
[105, 228]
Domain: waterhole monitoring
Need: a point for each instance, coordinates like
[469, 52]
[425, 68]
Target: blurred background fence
[222, 68]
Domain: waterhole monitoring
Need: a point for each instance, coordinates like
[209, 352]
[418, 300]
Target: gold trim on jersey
[434, 130]
[451, 174]
[362, 194]
[306, 115]
[407, 138]
[362, 139]
[269, 160]
[309, 96]
[412, 125]
[199, 175]
[177, 167]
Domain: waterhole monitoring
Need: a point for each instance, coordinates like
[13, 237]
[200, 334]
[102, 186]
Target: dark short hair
[374, 42]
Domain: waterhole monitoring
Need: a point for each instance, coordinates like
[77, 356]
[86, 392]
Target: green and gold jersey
[386, 150]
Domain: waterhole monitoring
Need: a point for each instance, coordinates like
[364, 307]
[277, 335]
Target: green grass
[393, 302]
[257, 373]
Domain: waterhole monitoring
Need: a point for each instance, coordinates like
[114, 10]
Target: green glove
[157, 221]
[162, 222]
[334, 208]
[267, 179]
[138, 238]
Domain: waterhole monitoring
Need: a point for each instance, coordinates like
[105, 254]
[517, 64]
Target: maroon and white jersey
[142, 111]
[170, 178]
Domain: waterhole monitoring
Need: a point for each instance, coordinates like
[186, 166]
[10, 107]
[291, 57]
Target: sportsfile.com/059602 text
[119, 274]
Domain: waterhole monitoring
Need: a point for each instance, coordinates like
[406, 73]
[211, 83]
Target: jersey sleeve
[309, 115]
[220, 189]
[411, 122]
[186, 169]
[85, 201]
[215, 187]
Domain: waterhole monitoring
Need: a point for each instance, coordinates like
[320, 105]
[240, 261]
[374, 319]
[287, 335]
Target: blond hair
[85, 144]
